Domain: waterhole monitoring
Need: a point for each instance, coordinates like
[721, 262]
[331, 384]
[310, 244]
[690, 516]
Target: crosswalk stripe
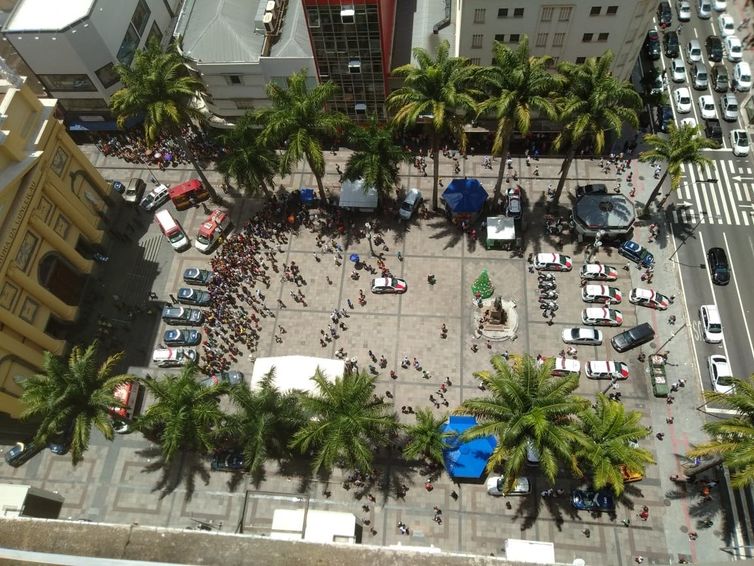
[723, 189]
[699, 192]
[715, 213]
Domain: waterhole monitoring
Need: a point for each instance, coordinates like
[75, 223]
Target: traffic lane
[736, 300]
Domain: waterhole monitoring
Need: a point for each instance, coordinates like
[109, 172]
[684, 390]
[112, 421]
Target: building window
[107, 75]
[354, 66]
[347, 14]
[587, 37]
[518, 12]
[612, 10]
[128, 47]
[564, 15]
[29, 310]
[28, 245]
[59, 161]
[244, 103]
[552, 62]
[155, 34]
[479, 14]
[233, 79]
[547, 14]
[603, 37]
[595, 11]
[500, 37]
[476, 40]
[475, 61]
[75, 83]
[360, 108]
[8, 296]
[558, 39]
[141, 17]
[514, 38]
[502, 12]
[541, 40]
[313, 15]
[61, 226]
[83, 104]
[580, 60]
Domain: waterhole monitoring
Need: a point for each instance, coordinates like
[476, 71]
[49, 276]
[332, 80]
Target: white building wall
[556, 29]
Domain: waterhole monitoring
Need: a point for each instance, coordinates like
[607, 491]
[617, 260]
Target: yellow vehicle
[630, 477]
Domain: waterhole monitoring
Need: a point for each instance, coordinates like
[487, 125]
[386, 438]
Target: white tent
[501, 228]
[295, 372]
[320, 526]
[353, 194]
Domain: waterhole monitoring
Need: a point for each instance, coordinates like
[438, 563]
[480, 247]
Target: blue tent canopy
[466, 459]
[465, 196]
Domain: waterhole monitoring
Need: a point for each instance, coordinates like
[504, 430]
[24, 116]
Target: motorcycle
[549, 305]
[545, 286]
[546, 277]
[548, 295]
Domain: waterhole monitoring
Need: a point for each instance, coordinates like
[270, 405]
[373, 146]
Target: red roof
[187, 187]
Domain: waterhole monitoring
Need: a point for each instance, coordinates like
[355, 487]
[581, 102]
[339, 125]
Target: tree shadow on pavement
[183, 470]
[446, 230]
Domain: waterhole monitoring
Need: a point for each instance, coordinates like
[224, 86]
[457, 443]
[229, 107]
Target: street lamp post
[613, 383]
[368, 227]
[702, 213]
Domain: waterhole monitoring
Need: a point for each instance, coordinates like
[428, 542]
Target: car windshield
[175, 237]
[202, 239]
[724, 379]
[715, 328]
[743, 140]
[406, 205]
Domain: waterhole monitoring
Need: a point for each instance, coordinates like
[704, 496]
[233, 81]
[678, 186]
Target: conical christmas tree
[483, 287]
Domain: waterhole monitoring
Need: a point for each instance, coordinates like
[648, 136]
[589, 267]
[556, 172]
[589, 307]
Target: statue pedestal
[487, 320]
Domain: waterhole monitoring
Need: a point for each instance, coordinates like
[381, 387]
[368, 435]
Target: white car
[553, 262]
[707, 107]
[682, 100]
[684, 11]
[729, 106]
[582, 336]
[648, 298]
[726, 25]
[389, 285]
[720, 374]
[606, 370]
[601, 317]
[410, 204]
[564, 366]
[174, 357]
[705, 10]
[690, 122]
[599, 272]
[678, 70]
[719, 5]
[600, 294]
[712, 326]
[496, 486]
[734, 48]
[739, 141]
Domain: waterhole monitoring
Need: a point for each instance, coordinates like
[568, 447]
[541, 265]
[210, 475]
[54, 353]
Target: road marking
[725, 187]
[740, 301]
[740, 178]
[712, 287]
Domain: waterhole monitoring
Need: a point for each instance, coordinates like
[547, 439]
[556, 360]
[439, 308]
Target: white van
[172, 230]
[742, 77]
[712, 326]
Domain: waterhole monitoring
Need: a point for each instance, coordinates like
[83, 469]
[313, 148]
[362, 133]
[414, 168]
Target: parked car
[718, 266]
[564, 366]
[181, 337]
[636, 253]
[742, 76]
[191, 296]
[719, 5]
[410, 204]
[591, 189]
[684, 11]
[633, 337]
[707, 107]
[601, 317]
[182, 315]
[693, 51]
[134, 190]
[513, 204]
[599, 272]
[682, 100]
[606, 370]
[734, 49]
[156, 198]
[22, 453]
[672, 45]
[652, 45]
[552, 262]
[720, 374]
[714, 48]
[729, 106]
[726, 24]
[664, 117]
[648, 298]
[230, 377]
[601, 294]
[712, 326]
[582, 336]
[61, 443]
[664, 14]
[496, 486]
[196, 276]
[228, 461]
[704, 9]
[389, 285]
[720, 78]
[678, 70]
[739, 143]
[174, 357]
[714, 130]
[591, 500]
[699, 77]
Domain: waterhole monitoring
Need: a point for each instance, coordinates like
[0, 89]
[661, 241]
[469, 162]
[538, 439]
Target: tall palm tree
[425, 438]
[300, 119]
[595, 104]
[732, 438]
[528, 408]
[266, 421]
[248, 158]
[71, 397]
[609, 433]
[159, 87]
[441, 90]
[376, 157]
[518, 86]
[680, 146]
[348, 424]
[185, 416]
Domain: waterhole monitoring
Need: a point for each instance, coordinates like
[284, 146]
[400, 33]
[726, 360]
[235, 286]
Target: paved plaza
[123, 481]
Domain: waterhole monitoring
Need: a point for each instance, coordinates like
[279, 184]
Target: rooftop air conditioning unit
[271, 6]
[347, 14]
[269, 22]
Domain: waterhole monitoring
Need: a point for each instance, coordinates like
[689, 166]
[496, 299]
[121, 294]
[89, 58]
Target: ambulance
[212, 230]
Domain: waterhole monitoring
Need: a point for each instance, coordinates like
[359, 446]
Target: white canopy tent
[354, 194]
[295, 372]
[313, 526]
[500, 230]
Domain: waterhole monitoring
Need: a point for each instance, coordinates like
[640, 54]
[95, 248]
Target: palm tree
[376, 157]
[348, 423]
[248, 158]
[425, 438]
[528, 408]
[185, 416]
[732, 438]
[69, 398]
[440, 90]
[159, 87]
[300, 119]
[266, 422]
[609, 432]
[518, 85]
[681, 146]
[595, 104]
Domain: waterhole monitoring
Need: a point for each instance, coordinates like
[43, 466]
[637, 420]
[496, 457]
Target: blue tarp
[307, 196]
[466, 459]
[465, 196]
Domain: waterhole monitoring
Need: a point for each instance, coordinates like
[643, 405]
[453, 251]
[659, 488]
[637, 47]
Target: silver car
[410, 204]
[134, 190]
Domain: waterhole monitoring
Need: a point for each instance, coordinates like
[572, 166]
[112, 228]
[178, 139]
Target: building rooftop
[294, 37]
[415, 21]
[47, 15]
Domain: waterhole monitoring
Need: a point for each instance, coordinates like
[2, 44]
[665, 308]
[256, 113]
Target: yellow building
[52, 207]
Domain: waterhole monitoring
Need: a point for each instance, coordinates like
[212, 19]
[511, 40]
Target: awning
[501, 228]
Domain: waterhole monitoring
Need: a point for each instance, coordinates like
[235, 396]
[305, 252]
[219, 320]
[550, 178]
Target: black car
[652, 45]
[720, 78]
[196, 276]
[664, 117]
[227, 461]
[191, 296]
[718, 266]
[21, 453]
[593, 189]
[230, 377]
[181, 337]
[714, 48]
[664, 14]
[672, 45]
[713, 130]
[633, 337]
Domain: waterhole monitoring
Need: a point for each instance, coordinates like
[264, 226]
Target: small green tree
[483, 285]
[425, 438]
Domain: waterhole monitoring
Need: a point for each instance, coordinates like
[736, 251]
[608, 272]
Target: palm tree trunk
[436, 169]
[210, 189]
[320, 185]
[506, 135]
[654, 194]
[564, 168]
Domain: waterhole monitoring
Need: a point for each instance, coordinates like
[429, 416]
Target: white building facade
[566, 31]
[72, 47]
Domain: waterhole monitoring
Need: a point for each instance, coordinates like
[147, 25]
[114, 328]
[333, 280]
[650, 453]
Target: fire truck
[212, 230]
